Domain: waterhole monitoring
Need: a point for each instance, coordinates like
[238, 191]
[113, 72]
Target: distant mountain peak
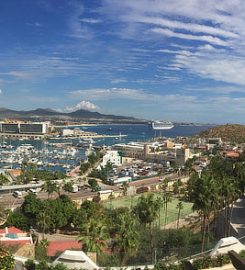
[51, 114]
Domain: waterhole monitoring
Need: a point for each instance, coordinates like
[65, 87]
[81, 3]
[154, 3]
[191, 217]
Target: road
[8, 201]
[238, 217]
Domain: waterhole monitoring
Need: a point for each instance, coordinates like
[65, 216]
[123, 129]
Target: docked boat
[161, 125]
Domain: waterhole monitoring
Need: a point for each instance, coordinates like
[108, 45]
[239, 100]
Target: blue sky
[155, 59]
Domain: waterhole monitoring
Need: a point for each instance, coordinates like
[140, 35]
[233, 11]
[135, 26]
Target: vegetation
[231, 132]
[68, 187]
[6, 260]
[93, 158]
[131, 230]
[43, 265]
[30, 172]
[94, 185]
[216, 189]
[172, 213]
[203, 263]
[102, 173]
[3, 179]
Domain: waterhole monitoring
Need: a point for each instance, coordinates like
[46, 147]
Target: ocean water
[140, 132]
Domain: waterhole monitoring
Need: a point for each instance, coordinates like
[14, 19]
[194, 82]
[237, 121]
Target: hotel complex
[39, 128]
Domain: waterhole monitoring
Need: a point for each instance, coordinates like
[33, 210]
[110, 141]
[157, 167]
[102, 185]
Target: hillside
[79, 115]
[228, 132]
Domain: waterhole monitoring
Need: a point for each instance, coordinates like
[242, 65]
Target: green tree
[94, 185]
[84, 167]
[31, 207]
[127, 238]
[19, 220]
[3, 215]
[147, 209]
[68, 187]
[6, 260]
[203, 192]
[43, 265]
[176, 187]
[166, 199]
[179, 207]
[3, 179]
[50, 187]
[79, 217]
[93, 235]
[125, 187]
[30, 265]
[43, 221]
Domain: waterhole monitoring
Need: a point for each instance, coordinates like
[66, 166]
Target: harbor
[65, 150]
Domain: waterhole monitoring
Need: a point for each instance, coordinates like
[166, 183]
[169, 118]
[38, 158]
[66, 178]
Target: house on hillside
[20, 242]
[14, 236]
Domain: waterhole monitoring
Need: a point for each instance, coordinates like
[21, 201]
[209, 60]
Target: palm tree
[93, 235]
[42, 221]
[179, 207]
[44, 243]
[50, 187]
[166, 200]
[127, 238]
[147, 209]
[125, 187]
[204, 195]
[229, 194]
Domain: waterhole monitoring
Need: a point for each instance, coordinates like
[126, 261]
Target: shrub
[142, 190]
[6, 260]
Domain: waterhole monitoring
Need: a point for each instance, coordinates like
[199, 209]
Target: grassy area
[172, 213]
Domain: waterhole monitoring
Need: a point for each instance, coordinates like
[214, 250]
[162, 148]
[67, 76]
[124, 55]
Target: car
[17, 194]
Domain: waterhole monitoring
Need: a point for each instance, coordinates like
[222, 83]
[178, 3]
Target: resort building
[40, 128]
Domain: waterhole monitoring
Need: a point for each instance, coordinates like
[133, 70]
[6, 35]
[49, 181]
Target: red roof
[149, 181]
[232, 154]
[13, 230]
[55, 247]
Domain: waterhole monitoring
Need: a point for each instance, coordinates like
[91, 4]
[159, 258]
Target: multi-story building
[25, 128]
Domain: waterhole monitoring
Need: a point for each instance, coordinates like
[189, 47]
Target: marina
[64, 153]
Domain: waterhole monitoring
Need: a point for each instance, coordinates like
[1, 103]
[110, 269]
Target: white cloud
[209, 39]
[18, 74]
[215, 65]
[1, 91]
[90, 20]
[219, 25]
[177, 107]
[113, 93]
[83, 104]
[190, 27]
[119, 80]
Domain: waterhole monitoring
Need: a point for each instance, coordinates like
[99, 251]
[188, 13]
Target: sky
[153, 59]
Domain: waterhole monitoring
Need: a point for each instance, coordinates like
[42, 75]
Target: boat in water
[161, 125]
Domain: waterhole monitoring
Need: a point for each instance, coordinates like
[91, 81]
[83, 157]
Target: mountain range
[79, 115]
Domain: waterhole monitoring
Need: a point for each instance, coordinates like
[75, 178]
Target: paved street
[238, 217]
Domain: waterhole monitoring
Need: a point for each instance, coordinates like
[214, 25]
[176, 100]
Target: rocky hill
[228, 132]
[79, 115]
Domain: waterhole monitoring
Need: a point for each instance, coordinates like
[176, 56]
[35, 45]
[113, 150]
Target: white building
[67, 132]
[77, 259]
[113, 157]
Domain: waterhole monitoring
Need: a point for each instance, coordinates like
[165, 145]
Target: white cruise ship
[161, 125]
